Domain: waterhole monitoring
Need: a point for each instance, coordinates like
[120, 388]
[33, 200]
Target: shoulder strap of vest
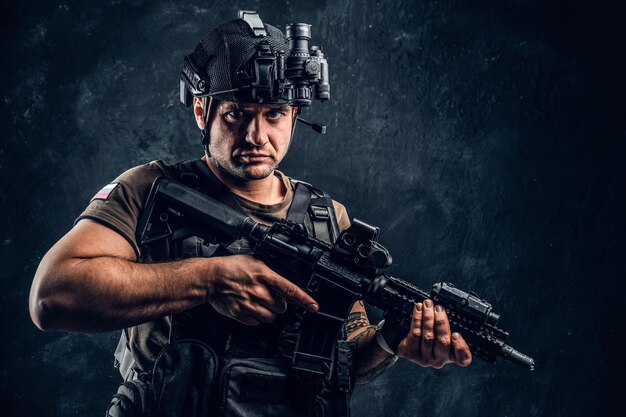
[320, 209]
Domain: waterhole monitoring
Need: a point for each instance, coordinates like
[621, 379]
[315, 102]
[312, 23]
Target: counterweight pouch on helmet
[182, 380]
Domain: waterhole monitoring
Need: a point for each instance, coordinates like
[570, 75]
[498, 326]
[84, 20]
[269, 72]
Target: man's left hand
[429, 342]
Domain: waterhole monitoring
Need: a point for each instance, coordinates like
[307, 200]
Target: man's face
[248, 141]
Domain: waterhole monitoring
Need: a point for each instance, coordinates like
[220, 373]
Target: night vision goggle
[268, 76]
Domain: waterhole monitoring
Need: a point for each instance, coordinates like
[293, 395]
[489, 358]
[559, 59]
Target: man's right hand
[245, 289]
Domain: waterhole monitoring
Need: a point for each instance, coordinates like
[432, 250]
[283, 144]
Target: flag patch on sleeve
[103, 194]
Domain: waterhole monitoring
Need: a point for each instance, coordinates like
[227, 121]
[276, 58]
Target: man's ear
[197, 112]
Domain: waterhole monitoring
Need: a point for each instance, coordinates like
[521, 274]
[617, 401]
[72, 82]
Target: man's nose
[256, 132]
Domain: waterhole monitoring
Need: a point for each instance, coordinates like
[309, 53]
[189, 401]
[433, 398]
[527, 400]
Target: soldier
[247, 84]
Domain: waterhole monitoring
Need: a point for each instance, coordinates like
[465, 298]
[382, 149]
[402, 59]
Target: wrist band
[380, 339]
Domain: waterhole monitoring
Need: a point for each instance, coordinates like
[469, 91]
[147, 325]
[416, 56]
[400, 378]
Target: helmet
[249, 61]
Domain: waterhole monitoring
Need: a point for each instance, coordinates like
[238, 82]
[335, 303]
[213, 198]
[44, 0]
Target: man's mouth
[253, 157]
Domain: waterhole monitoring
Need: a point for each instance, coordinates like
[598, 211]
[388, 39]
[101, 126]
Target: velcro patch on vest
[104, 193]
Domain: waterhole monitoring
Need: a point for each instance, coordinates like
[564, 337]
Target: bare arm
[89, 282]
[371, 359]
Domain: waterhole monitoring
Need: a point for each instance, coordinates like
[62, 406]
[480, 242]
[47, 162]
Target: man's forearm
[370, 359]
[106, 293]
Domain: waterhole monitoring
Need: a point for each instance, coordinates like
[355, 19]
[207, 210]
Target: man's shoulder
[142, 176]
[147, 171]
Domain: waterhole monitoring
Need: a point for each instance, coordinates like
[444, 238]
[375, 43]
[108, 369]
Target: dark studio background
[486, 140]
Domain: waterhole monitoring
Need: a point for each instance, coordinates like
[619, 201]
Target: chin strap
[204, 133]
[296, 112]
[293, 128]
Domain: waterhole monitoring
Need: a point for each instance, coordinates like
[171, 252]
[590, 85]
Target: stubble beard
[239, 172]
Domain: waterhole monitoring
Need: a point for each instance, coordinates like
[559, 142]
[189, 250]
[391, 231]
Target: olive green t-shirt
[119, 206]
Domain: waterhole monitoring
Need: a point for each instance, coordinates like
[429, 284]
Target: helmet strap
[296, 111]
[204, 132]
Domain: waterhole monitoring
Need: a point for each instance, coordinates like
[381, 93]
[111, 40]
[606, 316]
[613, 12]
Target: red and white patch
[103, 194]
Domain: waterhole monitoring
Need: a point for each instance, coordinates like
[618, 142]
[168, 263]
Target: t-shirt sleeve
[119, 204]
[342, 216]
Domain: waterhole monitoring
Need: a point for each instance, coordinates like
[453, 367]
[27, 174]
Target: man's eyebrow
[230, 106]
[283, 107]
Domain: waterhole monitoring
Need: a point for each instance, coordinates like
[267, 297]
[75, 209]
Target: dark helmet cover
[218, 62]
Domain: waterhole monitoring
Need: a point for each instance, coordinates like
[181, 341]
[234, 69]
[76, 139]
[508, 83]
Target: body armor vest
[253, 363]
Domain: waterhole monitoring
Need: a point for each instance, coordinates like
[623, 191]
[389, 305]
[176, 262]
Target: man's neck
[269, 190]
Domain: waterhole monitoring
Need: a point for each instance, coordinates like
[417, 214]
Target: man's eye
[235, 114]
[274, 114]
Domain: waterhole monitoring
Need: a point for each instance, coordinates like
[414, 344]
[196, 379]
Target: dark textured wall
[486, 139]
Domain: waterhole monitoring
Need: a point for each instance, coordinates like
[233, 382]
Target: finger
[461, 351]
[281, 303]
[428, 330]
[415, 333]
[442, 336]
[410, 347]
[290, 291]
[273, 302]
[260, 313]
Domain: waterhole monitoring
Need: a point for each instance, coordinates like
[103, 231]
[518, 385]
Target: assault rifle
[335, 275]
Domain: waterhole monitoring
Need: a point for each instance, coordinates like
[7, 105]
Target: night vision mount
[295, 77]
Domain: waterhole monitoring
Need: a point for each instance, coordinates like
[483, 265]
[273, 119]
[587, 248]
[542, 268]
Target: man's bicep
[90, 239]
